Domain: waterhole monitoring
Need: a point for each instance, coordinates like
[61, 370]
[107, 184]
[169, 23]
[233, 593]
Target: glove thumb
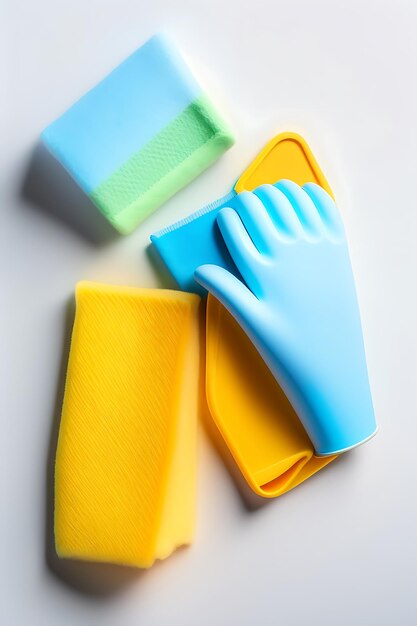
[229, 290]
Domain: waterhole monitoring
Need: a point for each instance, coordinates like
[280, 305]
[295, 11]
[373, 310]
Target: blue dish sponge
[140, 135]
[193, 241]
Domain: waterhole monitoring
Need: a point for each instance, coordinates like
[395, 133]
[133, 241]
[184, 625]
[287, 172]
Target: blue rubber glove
[299, 306]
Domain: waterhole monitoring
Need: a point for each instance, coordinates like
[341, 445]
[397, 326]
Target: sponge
[125, 464]
[140, 135]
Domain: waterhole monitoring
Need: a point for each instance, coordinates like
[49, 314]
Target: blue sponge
[140, 135]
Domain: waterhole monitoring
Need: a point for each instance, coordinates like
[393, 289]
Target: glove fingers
[229, 290]
[304, 208]
[326, 208]
[257, 222]
[240, 246]
[281, 212]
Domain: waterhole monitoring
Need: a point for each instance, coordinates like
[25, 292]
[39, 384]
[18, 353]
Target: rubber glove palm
[299, 306]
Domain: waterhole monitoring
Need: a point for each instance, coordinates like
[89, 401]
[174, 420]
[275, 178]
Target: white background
[340, 549]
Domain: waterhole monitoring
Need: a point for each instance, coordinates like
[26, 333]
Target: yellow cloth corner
[286, 156]
[250, 410]
[125, 465]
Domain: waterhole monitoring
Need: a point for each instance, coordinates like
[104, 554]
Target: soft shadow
[165, 280]
[337, 465]
[91, 579]
[250, 500]
[49, 188]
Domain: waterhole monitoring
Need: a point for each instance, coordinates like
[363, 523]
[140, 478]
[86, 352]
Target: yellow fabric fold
[125, 465]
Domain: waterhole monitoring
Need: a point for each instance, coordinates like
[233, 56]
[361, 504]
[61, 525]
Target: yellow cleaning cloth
[125, 465]
[250, 410]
